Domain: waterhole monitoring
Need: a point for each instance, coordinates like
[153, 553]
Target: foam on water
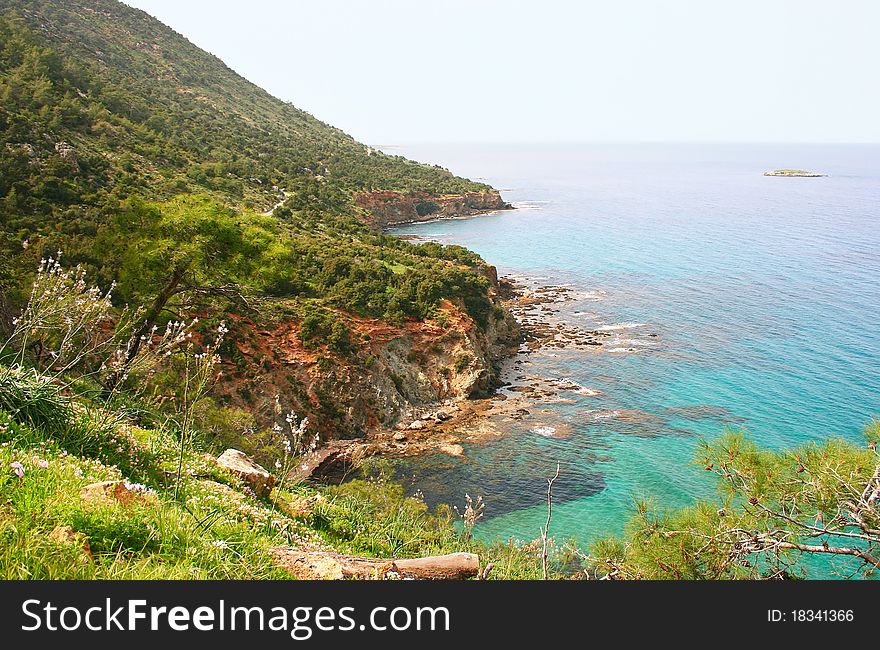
[616, 327]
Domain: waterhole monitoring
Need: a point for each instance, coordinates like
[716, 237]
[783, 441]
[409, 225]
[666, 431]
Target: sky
[448, 71]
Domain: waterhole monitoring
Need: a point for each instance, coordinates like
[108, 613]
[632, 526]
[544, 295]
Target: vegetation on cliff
[123, 482]
[202, 522]
[105, 108]
[195, 199]
[154, 166]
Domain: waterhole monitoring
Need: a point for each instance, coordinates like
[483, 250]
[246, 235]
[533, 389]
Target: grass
[215, 529]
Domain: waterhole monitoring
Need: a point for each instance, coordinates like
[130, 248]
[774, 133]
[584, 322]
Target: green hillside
[184, 198]
[103, 106]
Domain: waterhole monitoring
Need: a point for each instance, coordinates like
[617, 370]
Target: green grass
[216, 529]
[373, 517]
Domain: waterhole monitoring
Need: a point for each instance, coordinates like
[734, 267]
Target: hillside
[153, 166]
[87, 493]
[114, 81]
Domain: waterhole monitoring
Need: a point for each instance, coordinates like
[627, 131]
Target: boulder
[325, 463]
[66, 536]
[400, 436]
[244, 467]
[110, 492]
[452, 449]
[418, 424]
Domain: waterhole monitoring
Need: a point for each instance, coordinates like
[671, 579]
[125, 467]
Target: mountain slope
[154, 85]
[153, 165]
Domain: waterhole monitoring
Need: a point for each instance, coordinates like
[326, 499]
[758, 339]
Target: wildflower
[17, 468]
[43, 464]
[139, 487]
[219, 543]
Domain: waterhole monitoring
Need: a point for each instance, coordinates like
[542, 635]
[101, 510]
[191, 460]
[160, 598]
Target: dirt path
[285, 196]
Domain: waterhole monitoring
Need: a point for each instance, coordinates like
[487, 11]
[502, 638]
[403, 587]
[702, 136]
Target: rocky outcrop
[323, 464]
[398, 371]
[384, 208]
[240, 464]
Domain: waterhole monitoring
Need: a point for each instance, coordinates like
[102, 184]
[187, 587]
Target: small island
[799, 173]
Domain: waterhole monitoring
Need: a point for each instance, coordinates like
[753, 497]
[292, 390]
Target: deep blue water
[764, 293]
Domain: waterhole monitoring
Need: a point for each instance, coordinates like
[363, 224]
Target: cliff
[152, 164]
[395, 371]
[384, 208]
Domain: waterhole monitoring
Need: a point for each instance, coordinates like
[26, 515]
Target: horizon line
[409, 143]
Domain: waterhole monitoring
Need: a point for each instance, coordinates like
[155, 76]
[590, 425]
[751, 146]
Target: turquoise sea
[763, 292]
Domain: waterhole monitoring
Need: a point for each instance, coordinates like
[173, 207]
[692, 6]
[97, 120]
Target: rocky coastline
[385, 209]
[522, 397]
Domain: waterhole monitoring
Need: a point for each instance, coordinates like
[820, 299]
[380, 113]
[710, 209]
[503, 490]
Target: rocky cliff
[383, 209]
[395, 372]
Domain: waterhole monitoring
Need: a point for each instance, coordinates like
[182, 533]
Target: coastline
[388, 209]
[470, 215]
[522, 399]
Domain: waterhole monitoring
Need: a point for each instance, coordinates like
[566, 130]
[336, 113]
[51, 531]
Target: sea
[732, 301]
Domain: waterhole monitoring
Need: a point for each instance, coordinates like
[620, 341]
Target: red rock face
[415, 363]
[386, 208]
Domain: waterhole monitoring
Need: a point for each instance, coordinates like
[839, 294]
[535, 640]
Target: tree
[780, 512]
[193, 246]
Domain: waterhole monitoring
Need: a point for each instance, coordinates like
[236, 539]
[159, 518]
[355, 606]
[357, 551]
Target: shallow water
[763, 293]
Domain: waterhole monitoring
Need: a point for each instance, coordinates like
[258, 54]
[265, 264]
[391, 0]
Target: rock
[388, 207]
[299, 507]
[452, 449]
[322, 463]
[442, 416]
[796, 173]
[110, 492]
[418, 424]
[66, 151]
[66, 536]
[240, 464]
[400, 436]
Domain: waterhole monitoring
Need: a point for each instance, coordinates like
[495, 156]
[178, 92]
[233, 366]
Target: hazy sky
[409, 71]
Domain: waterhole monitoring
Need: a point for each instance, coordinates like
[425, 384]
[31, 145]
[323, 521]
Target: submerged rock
[453, 449]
